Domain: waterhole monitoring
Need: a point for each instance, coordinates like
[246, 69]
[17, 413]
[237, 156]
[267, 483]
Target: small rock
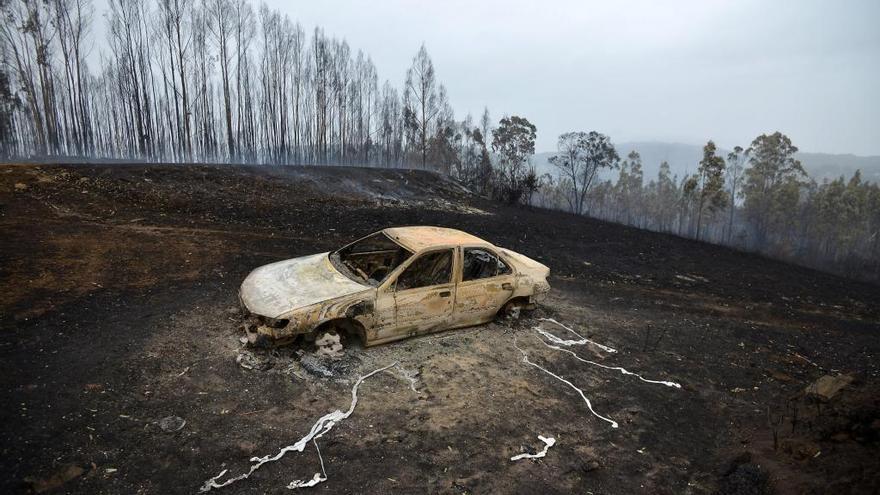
[21, 186]
[171, 424]
[247, 447]
[782, 377]
[827, 387]
[800, 449]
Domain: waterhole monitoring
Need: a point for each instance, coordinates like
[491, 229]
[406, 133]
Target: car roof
[418, 238]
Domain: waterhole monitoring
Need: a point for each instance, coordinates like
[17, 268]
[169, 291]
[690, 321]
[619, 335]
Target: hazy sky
[637, 70]
[683, 71]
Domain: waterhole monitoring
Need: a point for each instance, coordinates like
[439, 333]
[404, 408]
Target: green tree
[708, 184]
[629, 188]
[514, 141]
[828, 201]
[665, 198]
[772, 183]
[580, 157]
[735, 161]
[8, 103]
[484, 173]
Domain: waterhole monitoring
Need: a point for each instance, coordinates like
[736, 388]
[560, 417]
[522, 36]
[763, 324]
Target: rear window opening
[480, 263]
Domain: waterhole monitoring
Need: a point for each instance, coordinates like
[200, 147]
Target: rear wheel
[512, 310]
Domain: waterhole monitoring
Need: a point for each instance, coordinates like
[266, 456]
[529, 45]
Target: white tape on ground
[322, 426]
[410, 376]
[567, 343]
[548, 442]
[317, 478]
[614, 368]
[563, 380]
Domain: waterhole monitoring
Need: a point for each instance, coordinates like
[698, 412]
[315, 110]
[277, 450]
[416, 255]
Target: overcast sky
[680, 71]
[684, 71]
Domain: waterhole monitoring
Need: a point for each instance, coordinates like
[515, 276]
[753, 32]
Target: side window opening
[429, 269]
[479, 263]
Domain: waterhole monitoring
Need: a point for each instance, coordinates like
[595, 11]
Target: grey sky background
[683, 71]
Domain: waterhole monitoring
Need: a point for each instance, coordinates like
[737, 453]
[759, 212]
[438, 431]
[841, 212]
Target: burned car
[395, 283]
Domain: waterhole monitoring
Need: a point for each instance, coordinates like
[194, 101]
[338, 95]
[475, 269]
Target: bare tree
[174, 14]
[222, 25]
[421, 101]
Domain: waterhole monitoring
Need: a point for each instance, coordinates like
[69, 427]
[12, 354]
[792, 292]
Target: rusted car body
[393, 284]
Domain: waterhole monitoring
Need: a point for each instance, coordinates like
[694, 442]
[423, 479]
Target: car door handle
[445, 293]
[506, 286]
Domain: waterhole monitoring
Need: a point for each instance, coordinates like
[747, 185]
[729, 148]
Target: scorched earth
[656, 365]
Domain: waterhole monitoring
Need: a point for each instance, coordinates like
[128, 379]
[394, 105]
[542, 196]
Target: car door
[487, 282]
[424, 295]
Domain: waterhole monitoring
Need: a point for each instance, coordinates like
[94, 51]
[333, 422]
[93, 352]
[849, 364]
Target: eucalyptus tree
[421, 102]
[514, 141]
[736, 160]
[772, 183]
[26, 34]
[221, 24]
[579, 159]
[708, 184]
[175, 15]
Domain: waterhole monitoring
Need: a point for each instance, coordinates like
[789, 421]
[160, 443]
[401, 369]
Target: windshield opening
[370, 259]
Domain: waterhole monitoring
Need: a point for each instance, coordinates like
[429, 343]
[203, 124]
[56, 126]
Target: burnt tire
[329, 343]
[256, 339]
[512, 310]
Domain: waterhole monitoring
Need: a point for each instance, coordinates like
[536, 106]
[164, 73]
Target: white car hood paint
[274, 289]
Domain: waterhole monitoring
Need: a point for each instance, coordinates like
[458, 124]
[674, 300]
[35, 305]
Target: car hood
[281, 287]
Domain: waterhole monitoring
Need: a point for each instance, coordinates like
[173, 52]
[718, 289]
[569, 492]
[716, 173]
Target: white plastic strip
[322, 426]
[317, 478]
[410, 376]
[548, 442]
[615, 368]
[563, 380]
[568, 343]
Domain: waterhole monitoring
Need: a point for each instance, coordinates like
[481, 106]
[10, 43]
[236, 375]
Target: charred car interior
[370, 259]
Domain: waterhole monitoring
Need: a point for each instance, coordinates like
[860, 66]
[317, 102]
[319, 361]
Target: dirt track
[117, 295]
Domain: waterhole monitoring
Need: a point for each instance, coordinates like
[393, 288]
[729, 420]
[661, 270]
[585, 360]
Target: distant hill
[684, 159]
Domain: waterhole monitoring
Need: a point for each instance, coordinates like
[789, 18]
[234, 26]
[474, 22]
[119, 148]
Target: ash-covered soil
[118, 316]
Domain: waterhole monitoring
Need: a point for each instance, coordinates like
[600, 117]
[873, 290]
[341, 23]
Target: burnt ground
[117, 309]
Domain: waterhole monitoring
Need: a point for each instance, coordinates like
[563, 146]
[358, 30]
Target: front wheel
[328, 343]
